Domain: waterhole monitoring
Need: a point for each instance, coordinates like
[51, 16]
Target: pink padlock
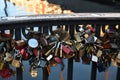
[66, 49]
[58, 60]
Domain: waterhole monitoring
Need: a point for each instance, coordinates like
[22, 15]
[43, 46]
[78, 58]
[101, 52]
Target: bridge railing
[17, 25]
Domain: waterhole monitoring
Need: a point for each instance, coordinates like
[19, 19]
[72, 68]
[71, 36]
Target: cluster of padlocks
[48, 50]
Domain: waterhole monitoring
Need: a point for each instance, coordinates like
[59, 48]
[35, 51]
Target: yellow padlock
[1, 65]
[33, 72]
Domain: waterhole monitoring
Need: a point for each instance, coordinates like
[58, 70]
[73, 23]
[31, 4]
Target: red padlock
[25, 55]
[20, 44]
[7, 35]
[107, 46]
[36, 52]
[6, 72]
[92, 30]
[58, 60]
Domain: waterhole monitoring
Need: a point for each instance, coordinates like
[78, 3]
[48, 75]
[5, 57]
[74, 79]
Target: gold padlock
[8, 57]
[99, 53]
[16, 62]
[78, 45]
[1, 58]
[1, 65]
[33, 72]
[77, 37]
[20, 43]
[118, 58]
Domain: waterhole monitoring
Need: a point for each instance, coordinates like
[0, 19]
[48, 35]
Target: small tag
[49, 57]
[94, 58]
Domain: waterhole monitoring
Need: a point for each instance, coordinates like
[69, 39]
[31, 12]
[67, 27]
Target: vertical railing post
[45, 72]
[118, 74]
[19, 74]
[94, 64]
[93, 71]
[70, 61]
[118, 69]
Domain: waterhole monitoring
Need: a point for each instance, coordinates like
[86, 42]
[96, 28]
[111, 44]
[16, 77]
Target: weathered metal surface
[74, 16]
[60, 19]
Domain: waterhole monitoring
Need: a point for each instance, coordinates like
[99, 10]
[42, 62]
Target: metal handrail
[19, 22]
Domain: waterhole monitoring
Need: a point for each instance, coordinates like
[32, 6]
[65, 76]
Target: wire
[5, 9]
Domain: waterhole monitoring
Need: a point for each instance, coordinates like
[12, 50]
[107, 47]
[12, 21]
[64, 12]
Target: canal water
[80, 71]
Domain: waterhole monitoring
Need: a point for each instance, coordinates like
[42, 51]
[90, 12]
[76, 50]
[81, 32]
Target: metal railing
[17, 24]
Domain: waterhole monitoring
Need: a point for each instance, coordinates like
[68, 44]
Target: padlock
[33, 72]
[8, 45]
[35, 61]
[94, 58]
[99, 53]
[81, 51]
[92, 30]
[43, 42]
[1, 65]
[90, 39]
[77, 37]
[33, 43]
[25, 55]
[75, 51]
[65, 36]
[20, 43]
[6, 72]
[52, 38]
[86, 36]
[12, 43]
[6, 35]
[2, 47]
[87, 49]
[58, 60]
[66, 49]
[118, 58]
[16, 62]
[86, 58]
[73, 46]
[1, 57]
[8, 57]
[107, 46]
